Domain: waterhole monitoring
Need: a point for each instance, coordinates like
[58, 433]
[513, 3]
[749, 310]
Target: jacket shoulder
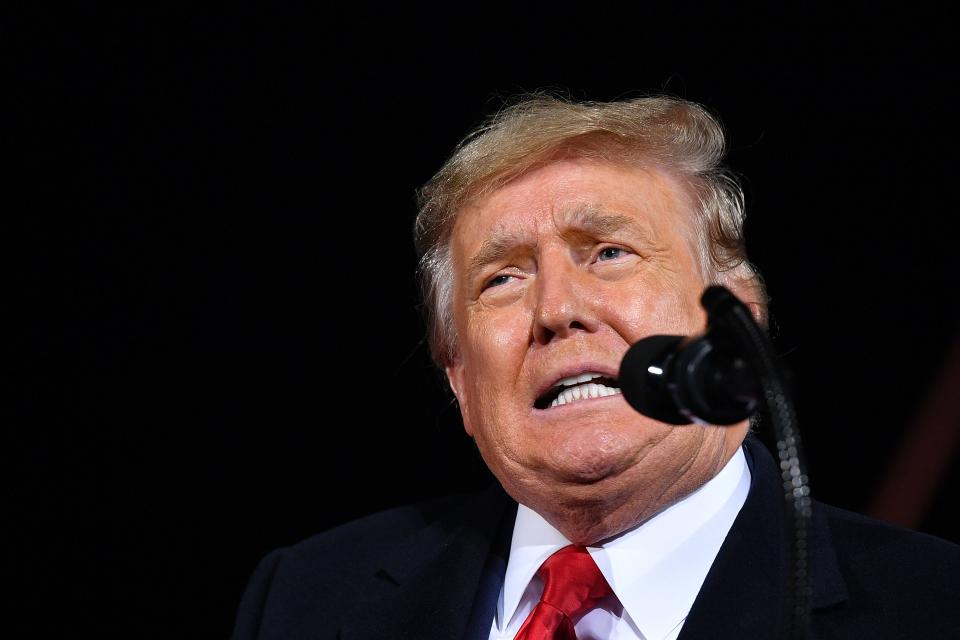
[298, 589]
[886, 547]
[363, 541]
[899, 583]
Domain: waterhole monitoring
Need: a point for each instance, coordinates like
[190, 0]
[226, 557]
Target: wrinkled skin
[581, 259]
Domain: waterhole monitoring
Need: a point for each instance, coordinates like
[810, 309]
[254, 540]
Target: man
[554, 238]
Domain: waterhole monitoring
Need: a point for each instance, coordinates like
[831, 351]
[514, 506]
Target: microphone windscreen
[643, 378]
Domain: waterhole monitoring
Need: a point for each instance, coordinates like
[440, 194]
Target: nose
[566, 303]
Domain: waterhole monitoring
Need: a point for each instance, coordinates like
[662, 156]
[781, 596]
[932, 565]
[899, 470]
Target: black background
[218, 349]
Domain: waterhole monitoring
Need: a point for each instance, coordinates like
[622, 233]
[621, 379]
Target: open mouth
[576, 388]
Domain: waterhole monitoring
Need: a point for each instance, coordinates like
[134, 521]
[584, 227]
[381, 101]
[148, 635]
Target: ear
[455, 376]
[750, 293]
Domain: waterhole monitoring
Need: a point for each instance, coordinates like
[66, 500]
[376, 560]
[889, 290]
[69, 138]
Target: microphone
[722, 377]
[680, 380]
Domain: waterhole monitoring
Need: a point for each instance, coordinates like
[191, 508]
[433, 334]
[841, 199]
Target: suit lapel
[491, 580]
[427, 590]
[742, 596]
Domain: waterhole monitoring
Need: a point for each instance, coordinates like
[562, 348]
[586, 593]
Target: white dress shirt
[655, 569]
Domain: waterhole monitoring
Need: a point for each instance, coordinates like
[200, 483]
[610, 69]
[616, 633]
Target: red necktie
[572, 585]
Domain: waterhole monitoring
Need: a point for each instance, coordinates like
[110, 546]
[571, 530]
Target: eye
[498, 280]
[610, 253]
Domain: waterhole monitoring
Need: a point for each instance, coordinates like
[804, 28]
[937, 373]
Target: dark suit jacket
[435, 571]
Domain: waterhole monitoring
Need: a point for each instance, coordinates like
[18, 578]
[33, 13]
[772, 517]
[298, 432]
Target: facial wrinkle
[681, 474]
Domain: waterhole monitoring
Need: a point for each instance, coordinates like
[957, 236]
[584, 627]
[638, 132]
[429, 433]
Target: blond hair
[678, 136]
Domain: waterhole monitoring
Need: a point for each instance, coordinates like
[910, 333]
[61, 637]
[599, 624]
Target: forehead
[552, 197]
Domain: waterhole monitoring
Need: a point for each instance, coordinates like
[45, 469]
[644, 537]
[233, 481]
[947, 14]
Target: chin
[589, 456]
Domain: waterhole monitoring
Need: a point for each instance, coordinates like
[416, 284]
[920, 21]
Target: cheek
[504, 339]
[662, 305]
[498, 341]
[493, 355]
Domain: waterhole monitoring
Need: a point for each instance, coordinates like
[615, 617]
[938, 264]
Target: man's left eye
[610, 253]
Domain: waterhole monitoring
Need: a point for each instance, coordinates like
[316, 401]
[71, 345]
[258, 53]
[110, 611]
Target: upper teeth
[583, 391]
[583, 377]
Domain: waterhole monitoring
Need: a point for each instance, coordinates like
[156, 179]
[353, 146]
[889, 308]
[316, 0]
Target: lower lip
[589, 403]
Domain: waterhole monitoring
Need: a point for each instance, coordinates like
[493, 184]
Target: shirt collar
[655, 569]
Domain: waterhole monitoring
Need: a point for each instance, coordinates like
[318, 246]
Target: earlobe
[455, 379]
[751, 295]
[758, 312]
[757, 309]
[453, 372]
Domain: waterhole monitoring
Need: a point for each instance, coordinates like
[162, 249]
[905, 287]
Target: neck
[589, 514]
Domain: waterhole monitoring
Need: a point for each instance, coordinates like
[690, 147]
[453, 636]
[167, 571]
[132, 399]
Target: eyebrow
[499, 245]
[600, 222]
[584, 219]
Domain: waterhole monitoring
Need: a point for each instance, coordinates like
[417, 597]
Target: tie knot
[572, 582]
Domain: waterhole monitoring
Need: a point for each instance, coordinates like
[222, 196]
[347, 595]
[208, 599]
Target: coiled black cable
[723, 308]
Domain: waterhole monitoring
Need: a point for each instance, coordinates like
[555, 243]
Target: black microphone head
[643, 378]
[678, 380]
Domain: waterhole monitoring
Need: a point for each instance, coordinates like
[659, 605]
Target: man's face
[556, 275]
